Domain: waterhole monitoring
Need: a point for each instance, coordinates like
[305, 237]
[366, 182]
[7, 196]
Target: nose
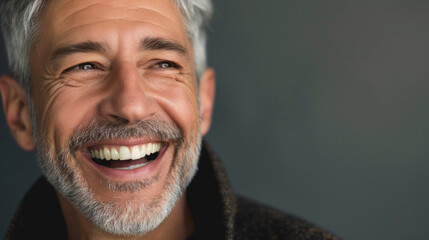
[127, 101]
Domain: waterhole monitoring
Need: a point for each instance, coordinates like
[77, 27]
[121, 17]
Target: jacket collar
[210, 197]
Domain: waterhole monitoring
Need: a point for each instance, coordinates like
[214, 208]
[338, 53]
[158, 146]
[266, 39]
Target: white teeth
[143, 149]
[107, 153]
[133, 166]
[115, 154]
[152, 148]
[125, 152]
[135, 152]
[149, 148]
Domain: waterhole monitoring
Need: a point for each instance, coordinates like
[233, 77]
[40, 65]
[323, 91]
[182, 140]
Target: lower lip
[131, 174]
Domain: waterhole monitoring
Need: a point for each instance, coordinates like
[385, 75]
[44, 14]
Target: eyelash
[81, 67]
[172, 65]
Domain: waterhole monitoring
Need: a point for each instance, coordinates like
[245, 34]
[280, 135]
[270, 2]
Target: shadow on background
[321, 111]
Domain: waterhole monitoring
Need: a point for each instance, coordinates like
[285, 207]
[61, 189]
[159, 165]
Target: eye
[166, 65]
[85, 66]
[82, 66]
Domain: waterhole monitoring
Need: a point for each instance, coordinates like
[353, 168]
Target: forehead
[64, 21]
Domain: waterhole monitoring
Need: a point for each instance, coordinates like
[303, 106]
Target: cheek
[65, 114]
[181, 106]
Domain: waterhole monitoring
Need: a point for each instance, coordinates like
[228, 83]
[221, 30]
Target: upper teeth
[125, 152]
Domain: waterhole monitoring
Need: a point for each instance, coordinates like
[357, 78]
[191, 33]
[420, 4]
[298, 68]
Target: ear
[16, 112]
[207, 97]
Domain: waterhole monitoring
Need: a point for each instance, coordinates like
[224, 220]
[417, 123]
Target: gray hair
[20, 30]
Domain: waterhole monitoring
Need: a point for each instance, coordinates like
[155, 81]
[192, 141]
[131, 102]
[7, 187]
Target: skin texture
[118, 82]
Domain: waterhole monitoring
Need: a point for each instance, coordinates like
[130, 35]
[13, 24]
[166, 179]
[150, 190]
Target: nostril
[120, 120]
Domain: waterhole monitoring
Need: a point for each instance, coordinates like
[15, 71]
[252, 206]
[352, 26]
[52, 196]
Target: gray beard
[124, 218]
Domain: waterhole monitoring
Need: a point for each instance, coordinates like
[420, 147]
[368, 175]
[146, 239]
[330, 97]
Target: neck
[178, 225]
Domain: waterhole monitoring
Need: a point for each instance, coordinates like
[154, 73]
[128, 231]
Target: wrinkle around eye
[78, 73]
[169, 78]
[55, 84]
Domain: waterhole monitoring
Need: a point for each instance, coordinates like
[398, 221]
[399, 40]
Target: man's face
[115, 96]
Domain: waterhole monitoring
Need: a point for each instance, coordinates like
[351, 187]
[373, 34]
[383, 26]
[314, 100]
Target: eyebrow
[82, 47]
[161, 44]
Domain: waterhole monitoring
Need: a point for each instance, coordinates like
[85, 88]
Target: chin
[134, 175]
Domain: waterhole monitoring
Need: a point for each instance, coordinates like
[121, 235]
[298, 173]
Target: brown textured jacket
[217, 212]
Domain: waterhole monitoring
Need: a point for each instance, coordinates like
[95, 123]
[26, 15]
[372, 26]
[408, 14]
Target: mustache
[98, 130]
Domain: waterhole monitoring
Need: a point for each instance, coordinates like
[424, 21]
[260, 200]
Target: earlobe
[207, 97]
[16, 112]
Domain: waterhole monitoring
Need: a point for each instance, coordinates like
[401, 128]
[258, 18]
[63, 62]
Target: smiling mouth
[125, 157]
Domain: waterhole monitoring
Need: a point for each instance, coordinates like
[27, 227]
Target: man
[115, 96]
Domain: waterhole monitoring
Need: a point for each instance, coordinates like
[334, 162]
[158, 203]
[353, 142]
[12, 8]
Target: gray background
[321, 111]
